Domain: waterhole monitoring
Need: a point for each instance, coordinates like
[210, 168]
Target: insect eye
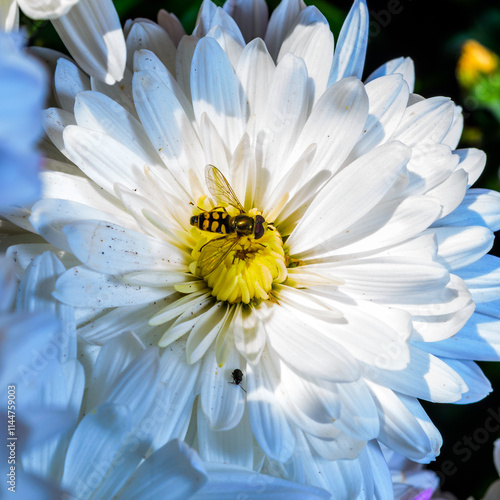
[259, 227]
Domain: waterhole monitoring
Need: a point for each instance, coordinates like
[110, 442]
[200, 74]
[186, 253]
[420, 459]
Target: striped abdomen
[213, 221]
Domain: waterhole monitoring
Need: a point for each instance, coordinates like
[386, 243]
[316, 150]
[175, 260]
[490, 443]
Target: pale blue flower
[23, 83]
[385, 247]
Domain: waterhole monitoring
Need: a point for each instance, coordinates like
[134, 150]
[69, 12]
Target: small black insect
[237, 375]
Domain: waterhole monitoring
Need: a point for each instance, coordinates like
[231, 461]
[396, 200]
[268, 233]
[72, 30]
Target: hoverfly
[217, 220]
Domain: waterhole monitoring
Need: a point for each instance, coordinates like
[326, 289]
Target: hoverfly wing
[220, 188]
[215, 252]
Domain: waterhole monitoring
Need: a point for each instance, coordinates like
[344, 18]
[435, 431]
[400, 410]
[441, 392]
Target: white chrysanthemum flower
[90, 29]
[347, 275]
[108, 451]
[23, 84]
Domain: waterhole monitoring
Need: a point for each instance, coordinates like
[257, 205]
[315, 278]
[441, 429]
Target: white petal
[226, 482]
[387, 97]
[205, 15]
[216, 152]
[430, 166]
[185, 475]
[115, 250]
[460, 246]
[83, 287]
[479, 336]
[214, 91]
[145, 60]
[378, 479]
[150, 36]
[35, 295]
[451, 192]
[254, 85]
[282, 20]
[335, 125]
[385, 277]
[120, 92]
[179, 388]
[205, 331]
[136, 385]
[97, 111]
[113, 323]
[113, 358]
[105, 160]
[55, 121]
[171, 24]
[358, 416]
[312, 41]
[426, 377]
[480, 207]
[9, 14]
[473, 162]
[222, 403]
[342, 478]
[217, 17]
[342, 447]
[199, 311]
[50, 216]
[185, 52]
[80, 189]
[482, 278]
[427, 121]
[400, 428]
[68, 81]
[231, 43]
[91, 31]
[378, 169]
[402, 65]
[48, 9]
[234, 446]
[22, 255]
[284, 116]
[351, 47]
[168, 127]
[300, 344]
[95, 443]
[452, 138]
[364, 328]
[249, 335]
[251, 17]
[387, 224]
[160, 278]
[269, 423]
[312, 405]
[437, 302]
[479, 386]
[432, 325]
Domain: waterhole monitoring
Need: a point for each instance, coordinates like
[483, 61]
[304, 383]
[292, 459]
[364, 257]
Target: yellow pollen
[247, 268]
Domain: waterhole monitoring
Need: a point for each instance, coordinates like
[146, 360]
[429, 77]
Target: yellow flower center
[238, 267]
